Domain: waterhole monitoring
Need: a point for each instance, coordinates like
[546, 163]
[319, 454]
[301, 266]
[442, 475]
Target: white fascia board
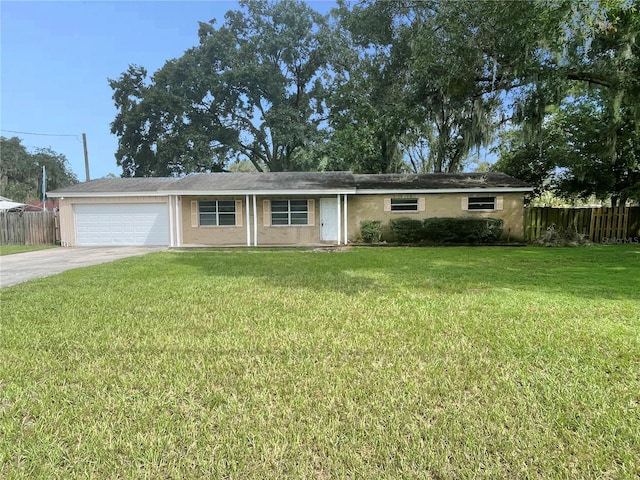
[262, 193]
[107, 194]
[447, 190]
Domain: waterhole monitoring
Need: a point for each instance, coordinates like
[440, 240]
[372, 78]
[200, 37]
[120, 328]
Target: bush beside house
[434, 230]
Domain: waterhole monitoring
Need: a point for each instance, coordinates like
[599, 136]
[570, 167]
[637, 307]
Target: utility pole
[86, 156]
[44, 188]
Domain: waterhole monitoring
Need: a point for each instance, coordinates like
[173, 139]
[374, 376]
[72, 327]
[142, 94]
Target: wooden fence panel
[609, 224]
[633, 230]
[539, 219]
[29, 228]
[599, 224]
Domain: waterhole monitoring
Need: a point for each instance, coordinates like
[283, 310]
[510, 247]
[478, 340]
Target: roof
[115, 185]
[437, 181]
[266, 182]
[273, 183]
[7, 205]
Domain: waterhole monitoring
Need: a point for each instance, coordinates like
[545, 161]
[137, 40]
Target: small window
[217, 213]
[289, 212]
[482, 203]
[404, 204]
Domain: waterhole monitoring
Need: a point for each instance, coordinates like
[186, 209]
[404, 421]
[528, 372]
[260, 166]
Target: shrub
[371, 231]
[407, 230]
[561, 237]
[387, 234]
[463, 230]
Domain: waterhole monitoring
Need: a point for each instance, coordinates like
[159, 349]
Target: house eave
[263, 193]
[342, 191]
[105, 194]
[398, 191]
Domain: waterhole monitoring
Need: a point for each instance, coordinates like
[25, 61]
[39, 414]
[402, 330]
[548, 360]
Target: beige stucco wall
[360, 207]
[208, 235]
[237, 235]
[371, 207]
[67, 222]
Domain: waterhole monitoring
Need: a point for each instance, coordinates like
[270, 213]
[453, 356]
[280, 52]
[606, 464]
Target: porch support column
[339, 219]
[178, 221]
[172, 226]
[346, 235]
[255, 221]
[248, 220]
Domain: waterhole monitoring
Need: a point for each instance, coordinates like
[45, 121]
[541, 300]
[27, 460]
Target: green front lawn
[374, 363]
[11, 249]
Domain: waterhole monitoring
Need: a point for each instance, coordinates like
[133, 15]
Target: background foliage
[401, 86]
[21, 171]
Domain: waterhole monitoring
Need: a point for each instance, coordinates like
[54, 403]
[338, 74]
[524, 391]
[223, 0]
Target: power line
[41, 134]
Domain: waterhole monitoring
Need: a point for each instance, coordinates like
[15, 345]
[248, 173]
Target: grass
[373, 363]
[11, 249]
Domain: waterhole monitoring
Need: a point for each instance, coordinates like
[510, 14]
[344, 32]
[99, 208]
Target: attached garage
[121, 224]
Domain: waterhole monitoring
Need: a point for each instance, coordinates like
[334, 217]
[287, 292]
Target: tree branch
[591, 78]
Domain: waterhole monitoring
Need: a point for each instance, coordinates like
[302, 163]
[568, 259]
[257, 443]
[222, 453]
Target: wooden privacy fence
[609, 223]
[602, 224]
[29, 228]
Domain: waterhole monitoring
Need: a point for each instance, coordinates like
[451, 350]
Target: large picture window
[217, 213]
[289, 212]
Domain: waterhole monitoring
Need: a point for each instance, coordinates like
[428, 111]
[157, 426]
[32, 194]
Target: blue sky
[56, 58]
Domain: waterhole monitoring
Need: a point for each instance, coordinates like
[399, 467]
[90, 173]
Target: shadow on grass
[605, 272]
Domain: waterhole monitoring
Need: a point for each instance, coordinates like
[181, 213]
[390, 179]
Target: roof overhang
[12, 206]
[393, 191]
[341, 191]
[106, 194]
[190, 193]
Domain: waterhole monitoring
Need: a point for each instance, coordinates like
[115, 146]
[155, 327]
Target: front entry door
[328, 219]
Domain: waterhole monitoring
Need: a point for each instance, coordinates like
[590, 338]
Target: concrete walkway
[21, 267]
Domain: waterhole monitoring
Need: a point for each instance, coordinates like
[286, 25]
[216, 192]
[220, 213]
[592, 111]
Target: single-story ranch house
[288, 208]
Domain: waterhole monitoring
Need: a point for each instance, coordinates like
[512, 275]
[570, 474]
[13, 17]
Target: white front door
[328, 219]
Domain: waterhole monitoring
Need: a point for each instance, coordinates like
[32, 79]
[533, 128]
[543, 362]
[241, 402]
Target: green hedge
[371, 231]
[462, 230]
[407, 230]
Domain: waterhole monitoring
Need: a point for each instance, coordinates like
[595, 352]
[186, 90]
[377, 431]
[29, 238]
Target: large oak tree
[253, 89]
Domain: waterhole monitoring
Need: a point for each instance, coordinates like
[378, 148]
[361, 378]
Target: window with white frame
[482, 203]
[217, 213]
[404, 204]
[289, 212]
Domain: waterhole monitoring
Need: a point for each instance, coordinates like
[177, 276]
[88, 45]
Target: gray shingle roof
[117, 185]
[289, 181]
[303, 181]
[436, 181]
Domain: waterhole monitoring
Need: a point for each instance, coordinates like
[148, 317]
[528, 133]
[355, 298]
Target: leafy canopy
[251, 90]
[21, 170]
[395, 87]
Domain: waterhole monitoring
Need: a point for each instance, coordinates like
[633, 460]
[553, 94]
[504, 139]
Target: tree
[464, 70]
[427, 88]
[571, 154]
[367, 111]
[578, 123]
[21, 171]
[252, 89]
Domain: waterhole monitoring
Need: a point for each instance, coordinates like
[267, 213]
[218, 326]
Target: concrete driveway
[21, 267]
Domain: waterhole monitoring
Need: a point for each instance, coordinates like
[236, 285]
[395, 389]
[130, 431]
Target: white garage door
[122, 224]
